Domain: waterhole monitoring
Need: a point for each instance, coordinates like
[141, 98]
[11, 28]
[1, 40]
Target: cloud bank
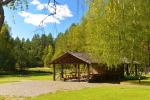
[62, 12]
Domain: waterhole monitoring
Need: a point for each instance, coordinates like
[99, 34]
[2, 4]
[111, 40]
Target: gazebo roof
[126, 61]
[73, 58]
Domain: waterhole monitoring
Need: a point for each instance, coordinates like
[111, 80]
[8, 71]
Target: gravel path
[34, 88]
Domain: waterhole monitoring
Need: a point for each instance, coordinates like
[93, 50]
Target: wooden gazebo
[72, 58]
[94, 70]
[128, 64]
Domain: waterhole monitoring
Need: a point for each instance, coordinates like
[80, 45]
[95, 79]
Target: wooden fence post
[88, 71]
[78, 72]
[54, 72]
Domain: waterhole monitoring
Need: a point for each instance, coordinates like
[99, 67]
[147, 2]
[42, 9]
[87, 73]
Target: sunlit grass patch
[100, 93]
[30, 74]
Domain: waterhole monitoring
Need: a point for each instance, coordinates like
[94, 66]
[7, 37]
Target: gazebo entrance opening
[73, 72]
[71, 66]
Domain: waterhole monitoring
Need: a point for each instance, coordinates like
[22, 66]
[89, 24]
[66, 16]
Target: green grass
[30, 74]
[100, 93]
[145, 81]
[119, 92]
[16, 78]
[45, 69]
[135, 91]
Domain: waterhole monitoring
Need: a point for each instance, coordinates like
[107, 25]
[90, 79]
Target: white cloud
[36, 19]
[35, 2]
[62, 12]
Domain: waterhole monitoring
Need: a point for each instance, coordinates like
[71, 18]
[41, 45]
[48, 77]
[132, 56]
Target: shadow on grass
[106, 81]
[144, 81]
[24, 73]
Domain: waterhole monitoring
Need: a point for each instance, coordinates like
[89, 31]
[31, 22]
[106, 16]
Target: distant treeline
[20, 53]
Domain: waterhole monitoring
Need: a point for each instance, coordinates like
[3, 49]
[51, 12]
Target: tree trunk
[127, 69]
[1, 16]
[148, 53]
[136, 71]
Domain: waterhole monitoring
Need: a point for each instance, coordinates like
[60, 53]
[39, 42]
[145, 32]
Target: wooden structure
[127, 67]
[94, 71]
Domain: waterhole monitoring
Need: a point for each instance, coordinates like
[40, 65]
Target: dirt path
[34, 88]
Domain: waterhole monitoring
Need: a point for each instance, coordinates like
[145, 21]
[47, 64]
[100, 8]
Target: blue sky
[25, 23]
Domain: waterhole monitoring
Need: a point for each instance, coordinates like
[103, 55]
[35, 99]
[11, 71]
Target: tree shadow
[24, 73]
[145, 81]
[106, 81]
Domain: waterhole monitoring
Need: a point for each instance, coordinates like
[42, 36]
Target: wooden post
[122, 71]
[78, 72]
[139, 79]
[127, 69]
[62, 72]
[88, 72]
[54, 73]
[135, 69]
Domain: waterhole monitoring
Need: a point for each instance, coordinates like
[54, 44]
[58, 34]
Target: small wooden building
[83, 68]
[132, 67]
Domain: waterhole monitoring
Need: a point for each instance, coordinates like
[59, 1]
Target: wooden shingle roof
[73, 58]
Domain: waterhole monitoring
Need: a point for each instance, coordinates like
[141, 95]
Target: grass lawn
[131, 91]
[30, 74]
[145, 82]
[100, 93]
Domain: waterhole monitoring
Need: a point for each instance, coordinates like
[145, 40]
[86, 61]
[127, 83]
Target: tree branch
[1, 17]
[6, 2]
